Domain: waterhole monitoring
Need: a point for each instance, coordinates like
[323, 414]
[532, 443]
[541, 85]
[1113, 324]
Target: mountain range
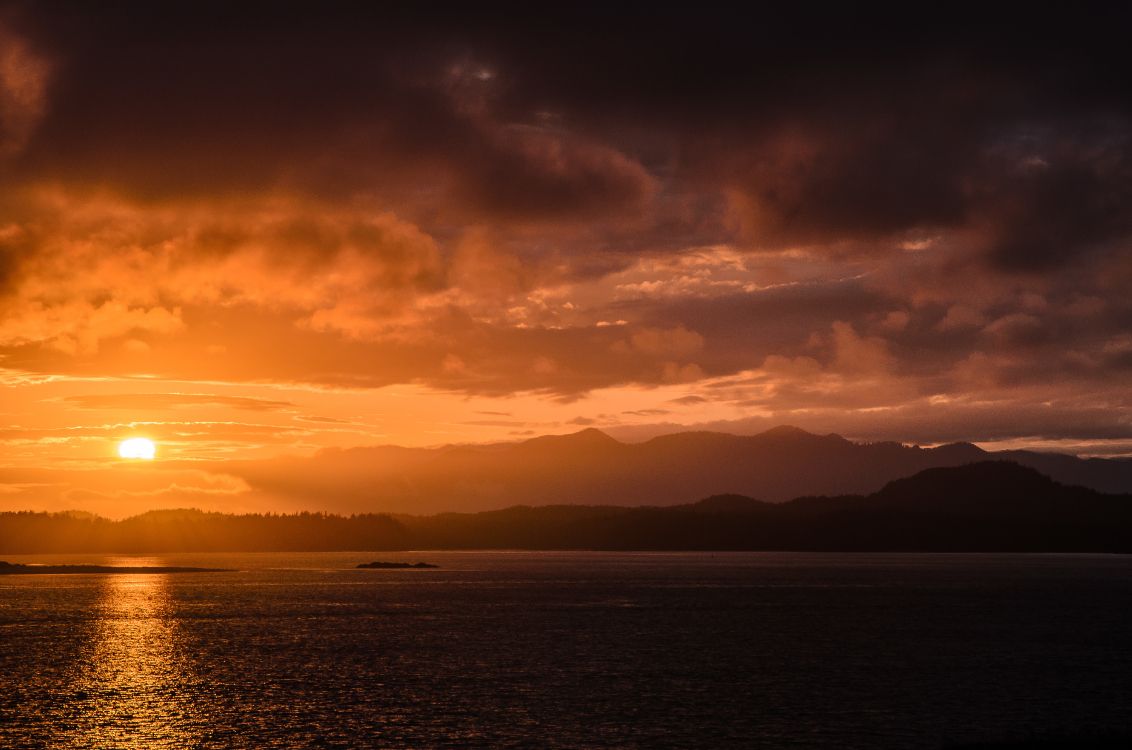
[590, 467]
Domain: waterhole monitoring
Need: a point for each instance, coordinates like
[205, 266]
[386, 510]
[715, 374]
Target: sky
[253, 231]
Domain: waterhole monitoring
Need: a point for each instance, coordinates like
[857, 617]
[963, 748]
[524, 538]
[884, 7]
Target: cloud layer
[845, 220]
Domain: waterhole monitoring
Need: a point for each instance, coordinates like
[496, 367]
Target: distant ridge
[589, 437]
[590, 467]
[991, 506]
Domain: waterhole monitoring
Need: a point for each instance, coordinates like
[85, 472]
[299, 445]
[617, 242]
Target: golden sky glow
[405, 234]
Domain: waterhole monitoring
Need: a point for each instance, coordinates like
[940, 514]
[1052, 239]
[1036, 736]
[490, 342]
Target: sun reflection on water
[130, 689]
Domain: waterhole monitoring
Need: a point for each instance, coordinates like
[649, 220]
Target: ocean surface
[544, 650]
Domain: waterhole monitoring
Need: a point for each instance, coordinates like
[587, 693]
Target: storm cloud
[848, 209]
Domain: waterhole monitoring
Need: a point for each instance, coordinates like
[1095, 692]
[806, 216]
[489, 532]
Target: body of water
[549, 650]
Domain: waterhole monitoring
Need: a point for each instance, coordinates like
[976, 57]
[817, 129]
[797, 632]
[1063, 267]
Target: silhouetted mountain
[988, 488]
[987, 506]
[591, 467]
[1103, 475]
[725, 504]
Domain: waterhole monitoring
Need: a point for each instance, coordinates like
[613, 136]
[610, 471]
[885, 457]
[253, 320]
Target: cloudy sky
[254, 230]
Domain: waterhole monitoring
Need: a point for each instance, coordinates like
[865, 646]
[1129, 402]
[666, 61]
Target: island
[396, 566]
[7, 568]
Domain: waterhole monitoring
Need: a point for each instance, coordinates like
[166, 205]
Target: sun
[139, 448]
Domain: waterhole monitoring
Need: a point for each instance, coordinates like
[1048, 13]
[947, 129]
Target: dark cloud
[1061, 199]
[212, 100]
[826, 126]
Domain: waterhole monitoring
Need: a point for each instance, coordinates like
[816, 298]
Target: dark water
[569, 650]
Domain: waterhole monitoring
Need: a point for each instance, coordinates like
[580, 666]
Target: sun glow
[137, 448]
